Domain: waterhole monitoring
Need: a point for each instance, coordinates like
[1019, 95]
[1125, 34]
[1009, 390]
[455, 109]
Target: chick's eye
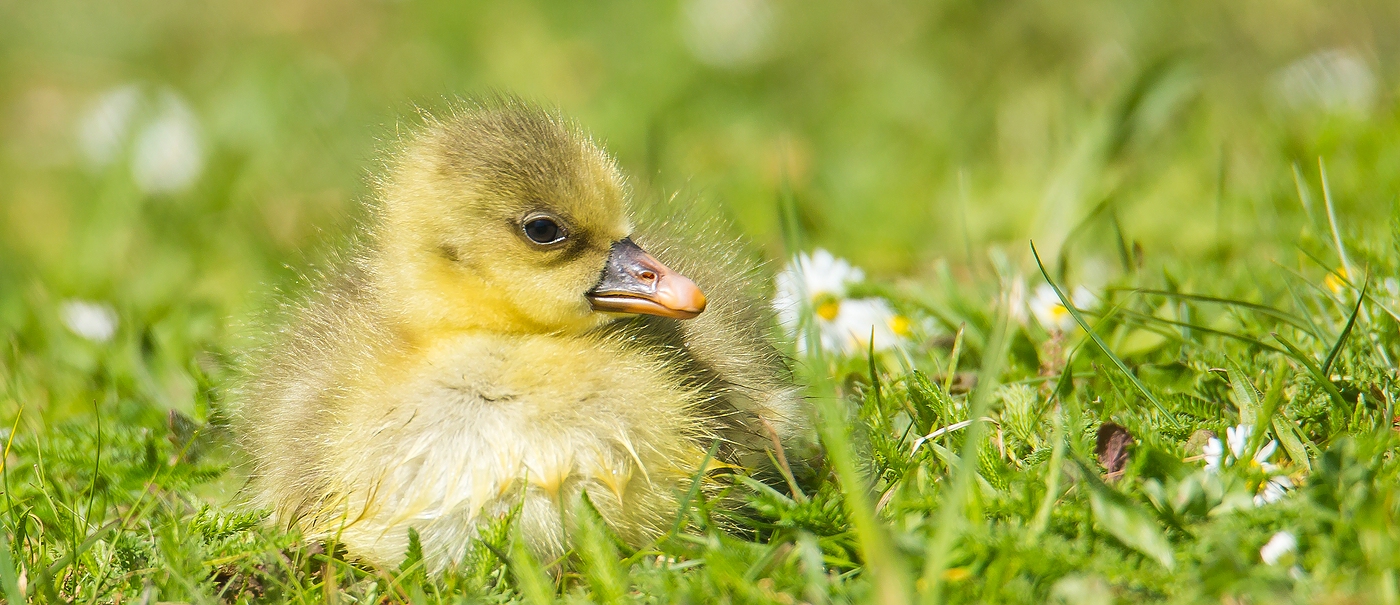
[543, 231]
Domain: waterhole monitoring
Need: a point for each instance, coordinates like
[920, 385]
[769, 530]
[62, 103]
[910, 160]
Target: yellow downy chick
[502, 338]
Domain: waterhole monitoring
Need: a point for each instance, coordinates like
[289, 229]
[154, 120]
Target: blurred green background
[179, 160]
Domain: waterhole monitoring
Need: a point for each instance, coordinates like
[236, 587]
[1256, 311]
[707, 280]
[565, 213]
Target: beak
[635, 282]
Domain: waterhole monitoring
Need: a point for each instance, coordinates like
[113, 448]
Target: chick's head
[511, 220]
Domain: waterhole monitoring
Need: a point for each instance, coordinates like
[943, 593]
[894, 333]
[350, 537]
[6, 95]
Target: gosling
[501, 340]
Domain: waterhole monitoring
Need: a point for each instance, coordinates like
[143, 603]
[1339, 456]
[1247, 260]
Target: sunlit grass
[1211, 193]
[1025, 505]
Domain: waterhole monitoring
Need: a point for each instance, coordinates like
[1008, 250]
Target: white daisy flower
[94, 321]
[845, 325]
[1016, 304]
[1213, 453]
[159, 133]
[1052, 314]
[1278, 546]
[1237, 439]
[1273, 490]
[104, 126]
[168, 156]
[821, 279]
[1334, 81]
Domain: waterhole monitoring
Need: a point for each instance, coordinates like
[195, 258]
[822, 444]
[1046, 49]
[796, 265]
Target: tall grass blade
[1052, 481]
[1245, 395]
[597, 553]
[952, 499]
[888, 574]
[53, 570]
[696, 481]
[1280, 315]
[886, 568]
[1304, 197]
[817, 590]
[1346, 331]
[534, 585]
[1313, 369]
[1146, 321]
[1332, 218]
[9, 579]
[1079, 318]
[1125, 520]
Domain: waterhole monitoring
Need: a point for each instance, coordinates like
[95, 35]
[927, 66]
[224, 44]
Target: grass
[118, 505]
[1243, 245]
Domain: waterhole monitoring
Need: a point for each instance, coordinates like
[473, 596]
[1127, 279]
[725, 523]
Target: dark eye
[543, 230]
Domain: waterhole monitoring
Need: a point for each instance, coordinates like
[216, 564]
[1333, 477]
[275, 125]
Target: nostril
[648, 276]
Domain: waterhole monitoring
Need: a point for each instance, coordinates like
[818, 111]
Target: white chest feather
[482, 426]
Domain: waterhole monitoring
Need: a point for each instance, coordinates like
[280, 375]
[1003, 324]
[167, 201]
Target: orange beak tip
[634, 282]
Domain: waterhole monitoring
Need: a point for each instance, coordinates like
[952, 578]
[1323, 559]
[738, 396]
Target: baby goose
[501, 339]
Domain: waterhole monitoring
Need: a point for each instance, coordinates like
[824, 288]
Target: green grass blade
[696, 481]
[1346, 331]
[950, 511]
[1313, 369]
[1287, 433]
[534, 585]
[1125, 520]
[886, 568]
[67, 559]
[1273, 400]
[1332, 218]
[1284, 316]
[1250, 405]
[9, 579]
[1079, 318]
[1145, 320]
[1304, 197]
[890, 578]
[817, 589]
[1052, 481]
[598, 554]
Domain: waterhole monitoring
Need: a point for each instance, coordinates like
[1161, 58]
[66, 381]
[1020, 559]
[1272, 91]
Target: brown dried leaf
[1112, 449]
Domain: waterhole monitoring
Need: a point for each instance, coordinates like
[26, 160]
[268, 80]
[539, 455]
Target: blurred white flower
[94, 321]
[1016, 303]
[727, 33]
[1278, 546]
[161, 134]
[1213, 453]
[1237, 438]
[1273, 490]
[844, 325]
[104, 126]
[821, 278]
[168, 157]
[1334, 80]
[1052, 314]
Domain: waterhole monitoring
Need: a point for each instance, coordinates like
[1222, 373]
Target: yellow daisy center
[899, 324]
[1335, 280]
[829, 309]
